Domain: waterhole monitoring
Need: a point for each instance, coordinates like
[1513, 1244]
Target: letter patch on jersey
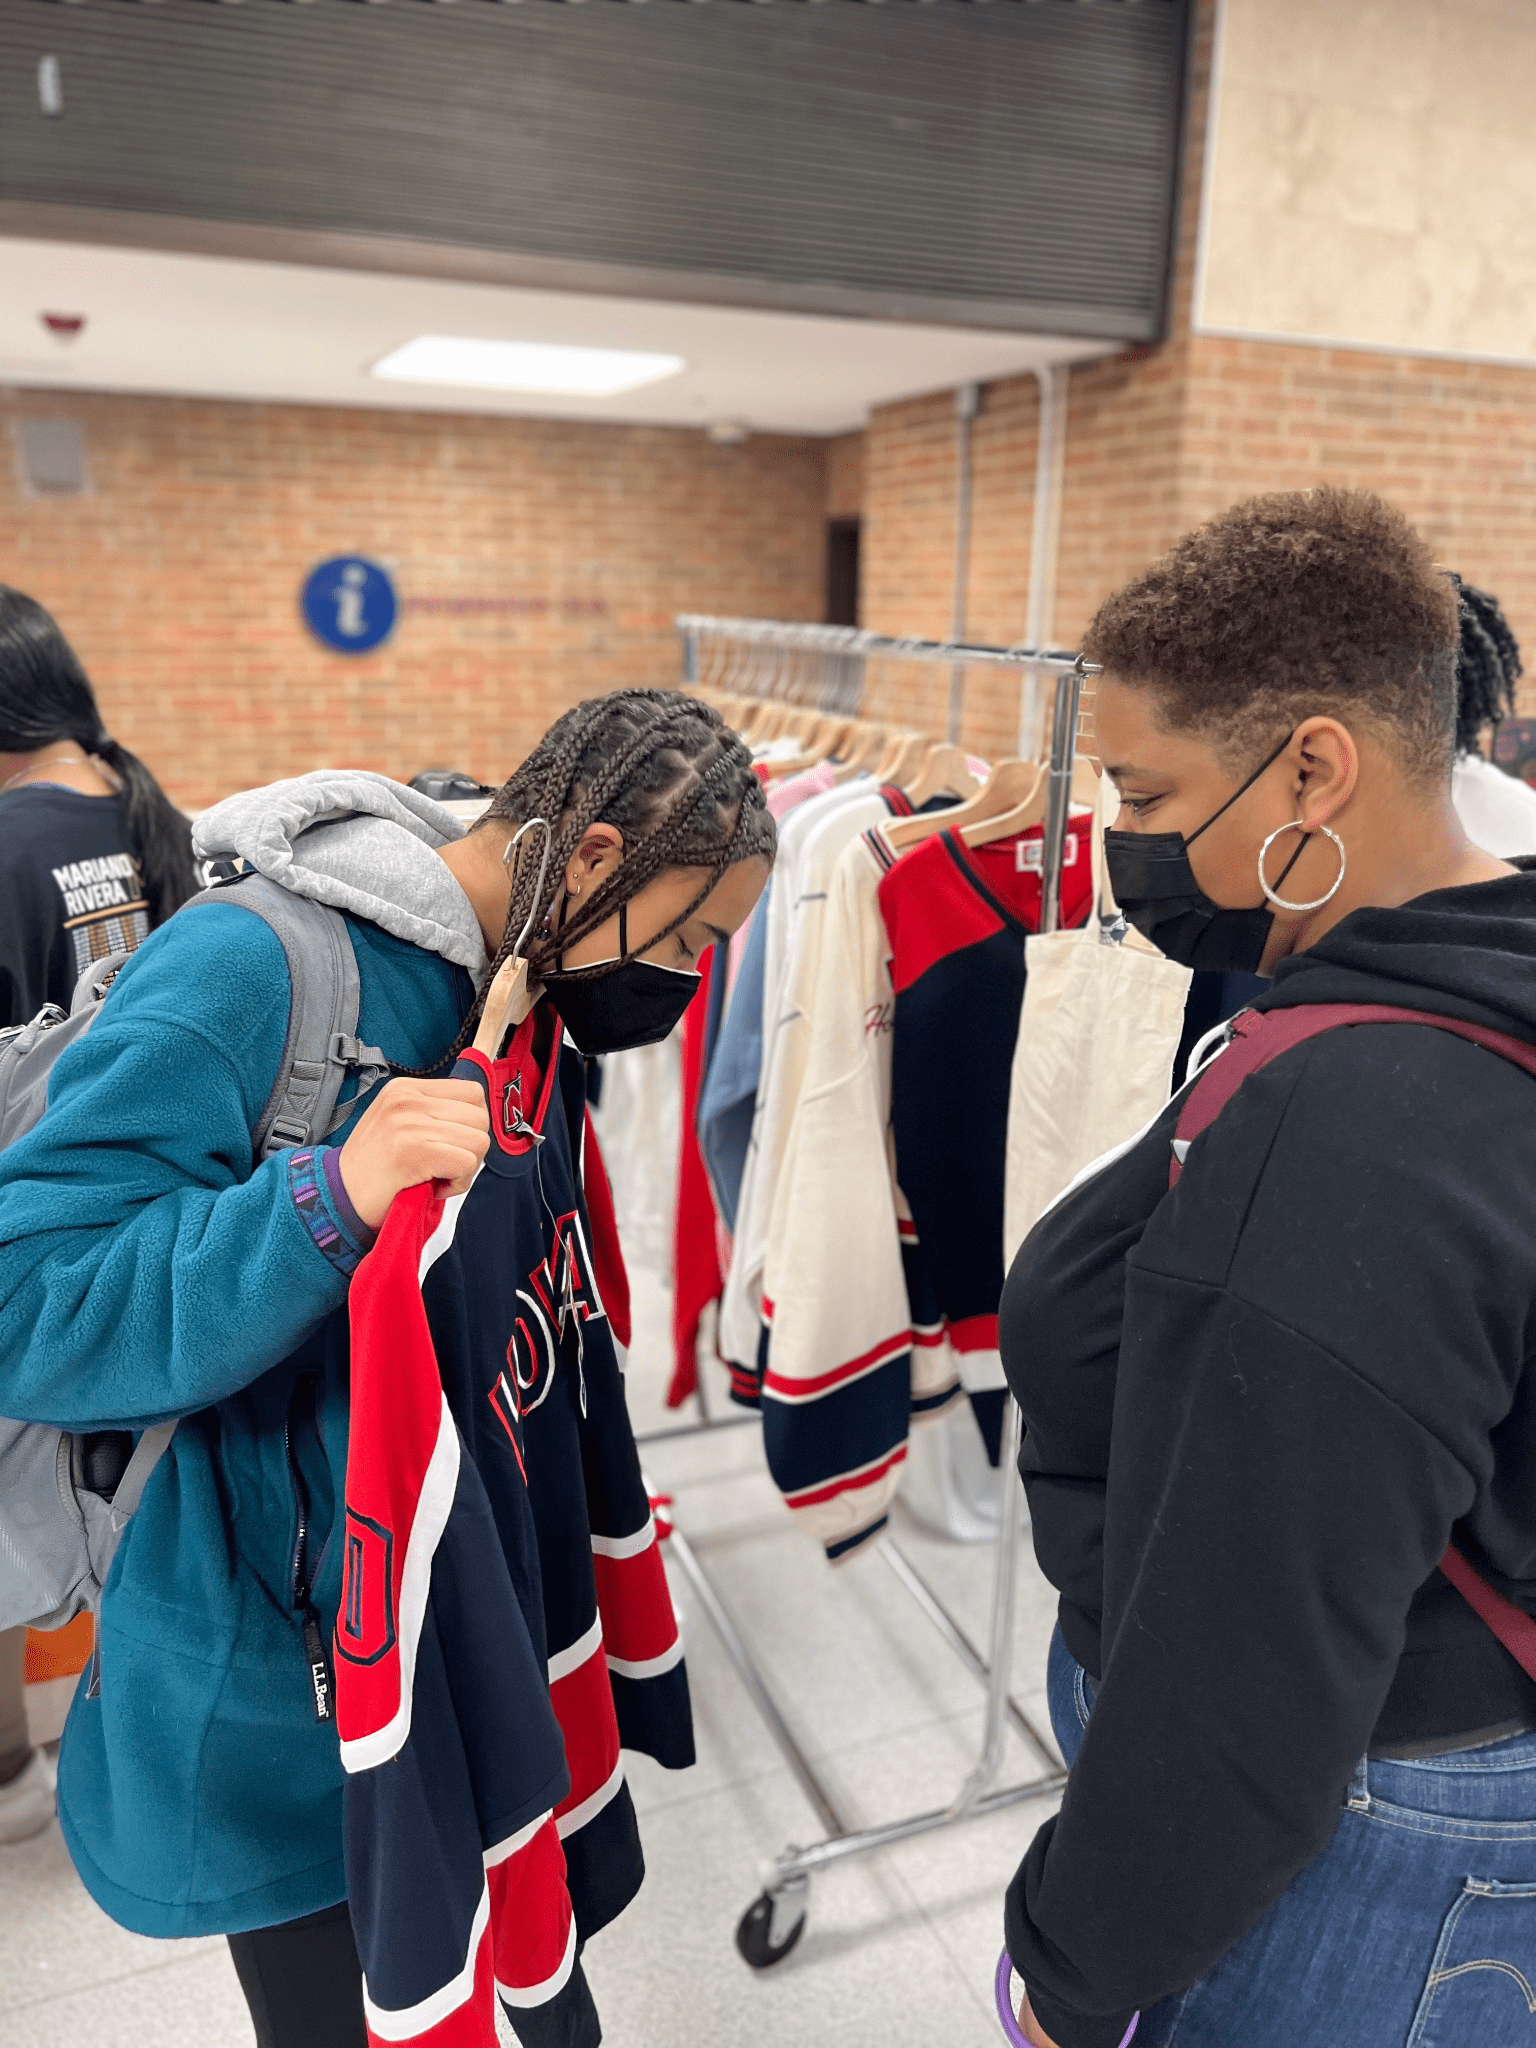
[531, 1351]
[365, 1623]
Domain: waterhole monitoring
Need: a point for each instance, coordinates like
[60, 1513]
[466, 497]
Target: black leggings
[303, 1982]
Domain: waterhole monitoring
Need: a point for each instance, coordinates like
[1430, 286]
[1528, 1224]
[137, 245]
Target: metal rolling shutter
[1011, 164]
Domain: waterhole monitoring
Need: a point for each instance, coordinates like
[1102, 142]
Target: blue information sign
[349, 603]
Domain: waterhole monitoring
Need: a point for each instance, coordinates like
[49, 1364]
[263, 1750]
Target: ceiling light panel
[533, 366]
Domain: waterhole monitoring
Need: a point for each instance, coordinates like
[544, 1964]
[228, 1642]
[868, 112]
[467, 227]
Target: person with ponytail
[93, 853]
[92, 856]
[149, 1269]
[1497, 811]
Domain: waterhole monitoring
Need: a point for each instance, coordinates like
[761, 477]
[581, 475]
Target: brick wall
[911, 459]
[537, 562]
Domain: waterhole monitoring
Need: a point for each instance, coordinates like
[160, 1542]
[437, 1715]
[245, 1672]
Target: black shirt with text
[70, 893]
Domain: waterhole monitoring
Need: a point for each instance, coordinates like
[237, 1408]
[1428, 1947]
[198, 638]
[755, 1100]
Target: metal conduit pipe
[967, 405]
[1045, 536]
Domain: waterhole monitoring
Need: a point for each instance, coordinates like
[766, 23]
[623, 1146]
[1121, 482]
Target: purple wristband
[341, 1201]
[1005, 2012]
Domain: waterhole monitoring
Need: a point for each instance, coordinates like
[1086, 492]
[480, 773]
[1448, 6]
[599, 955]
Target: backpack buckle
[284, 1133]
[351, 1052]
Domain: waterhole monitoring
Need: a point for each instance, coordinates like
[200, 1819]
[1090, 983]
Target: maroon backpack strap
[1514, 1628]
[1257, 1038]
[1260, 1036]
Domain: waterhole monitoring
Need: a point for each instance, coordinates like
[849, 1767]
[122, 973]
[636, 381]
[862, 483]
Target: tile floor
[898, 1949]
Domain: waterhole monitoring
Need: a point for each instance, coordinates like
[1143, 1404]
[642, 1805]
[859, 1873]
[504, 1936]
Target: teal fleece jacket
[147, 1271]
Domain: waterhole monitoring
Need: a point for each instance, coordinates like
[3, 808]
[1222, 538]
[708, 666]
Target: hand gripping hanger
[511, 996]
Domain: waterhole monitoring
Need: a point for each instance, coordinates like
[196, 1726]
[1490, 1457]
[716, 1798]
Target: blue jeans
[1415, 1927]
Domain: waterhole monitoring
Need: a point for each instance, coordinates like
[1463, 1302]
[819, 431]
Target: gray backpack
[66, 1496]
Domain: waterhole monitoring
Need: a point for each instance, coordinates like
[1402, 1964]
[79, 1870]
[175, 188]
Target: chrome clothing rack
[765, 658]
[826, 668]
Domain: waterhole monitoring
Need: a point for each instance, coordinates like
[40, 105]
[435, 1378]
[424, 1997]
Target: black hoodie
[1256, 1409]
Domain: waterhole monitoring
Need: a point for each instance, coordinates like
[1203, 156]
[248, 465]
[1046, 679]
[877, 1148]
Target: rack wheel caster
[773, 1923]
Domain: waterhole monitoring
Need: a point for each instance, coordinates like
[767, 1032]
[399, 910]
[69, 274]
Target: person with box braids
[150, 1269]
[93, 855]
[650, 800]
[1498, 811]
[1275, 1357]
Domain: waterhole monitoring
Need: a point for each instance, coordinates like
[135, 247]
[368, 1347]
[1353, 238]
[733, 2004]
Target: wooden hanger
[865, 749]
[840, 738]
[1084, 791]
[508, 1001]
[1010, 784]
[945, 768]
[1030, 810]
[825, 738]
[746, 715]
[775, 722]
[906, 762]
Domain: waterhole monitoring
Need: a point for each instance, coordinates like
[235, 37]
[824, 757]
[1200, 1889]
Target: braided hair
[662, 768]
[1487, 667]
[45, 696]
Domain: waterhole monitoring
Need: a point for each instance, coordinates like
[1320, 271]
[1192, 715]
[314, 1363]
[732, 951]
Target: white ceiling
[215, 327]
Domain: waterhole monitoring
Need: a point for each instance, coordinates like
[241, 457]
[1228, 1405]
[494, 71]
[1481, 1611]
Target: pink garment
[790, 790]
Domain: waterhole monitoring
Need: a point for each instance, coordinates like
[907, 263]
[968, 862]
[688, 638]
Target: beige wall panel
[1372, 178]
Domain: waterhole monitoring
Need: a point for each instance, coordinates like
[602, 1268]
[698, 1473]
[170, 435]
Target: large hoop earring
[1295, 825]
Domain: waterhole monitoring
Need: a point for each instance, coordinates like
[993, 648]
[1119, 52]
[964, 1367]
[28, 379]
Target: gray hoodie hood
[362, 844]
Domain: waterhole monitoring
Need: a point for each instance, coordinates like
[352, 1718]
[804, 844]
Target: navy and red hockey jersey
[505, 1626]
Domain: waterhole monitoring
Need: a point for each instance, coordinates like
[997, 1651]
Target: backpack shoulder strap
[147, 1453]
[320, 1047]
[1257, 1037]
[1515, 1629]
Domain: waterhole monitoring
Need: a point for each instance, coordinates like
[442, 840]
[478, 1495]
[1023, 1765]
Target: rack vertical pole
[1069, 689]
[1010, 1486]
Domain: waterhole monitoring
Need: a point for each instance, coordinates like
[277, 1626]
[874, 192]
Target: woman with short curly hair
[1260, 1402]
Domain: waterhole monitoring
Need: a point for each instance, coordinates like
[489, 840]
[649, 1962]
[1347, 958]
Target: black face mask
[1155, 886]
[611, 1009]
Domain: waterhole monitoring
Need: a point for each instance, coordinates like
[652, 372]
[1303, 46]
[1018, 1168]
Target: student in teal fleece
[148, 1270]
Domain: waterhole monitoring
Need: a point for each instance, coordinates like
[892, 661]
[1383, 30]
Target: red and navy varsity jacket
[505, 1625]
[957, 918]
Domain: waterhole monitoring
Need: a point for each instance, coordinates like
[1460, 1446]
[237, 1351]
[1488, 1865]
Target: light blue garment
[728, 1097]
[146, 1271]
[1415, 1928]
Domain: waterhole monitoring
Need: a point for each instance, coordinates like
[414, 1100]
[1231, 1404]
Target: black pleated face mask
[1155, 886]
[611, 1009]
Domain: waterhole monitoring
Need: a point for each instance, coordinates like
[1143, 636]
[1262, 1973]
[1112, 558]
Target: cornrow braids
[1487, 666]
[662, 768]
